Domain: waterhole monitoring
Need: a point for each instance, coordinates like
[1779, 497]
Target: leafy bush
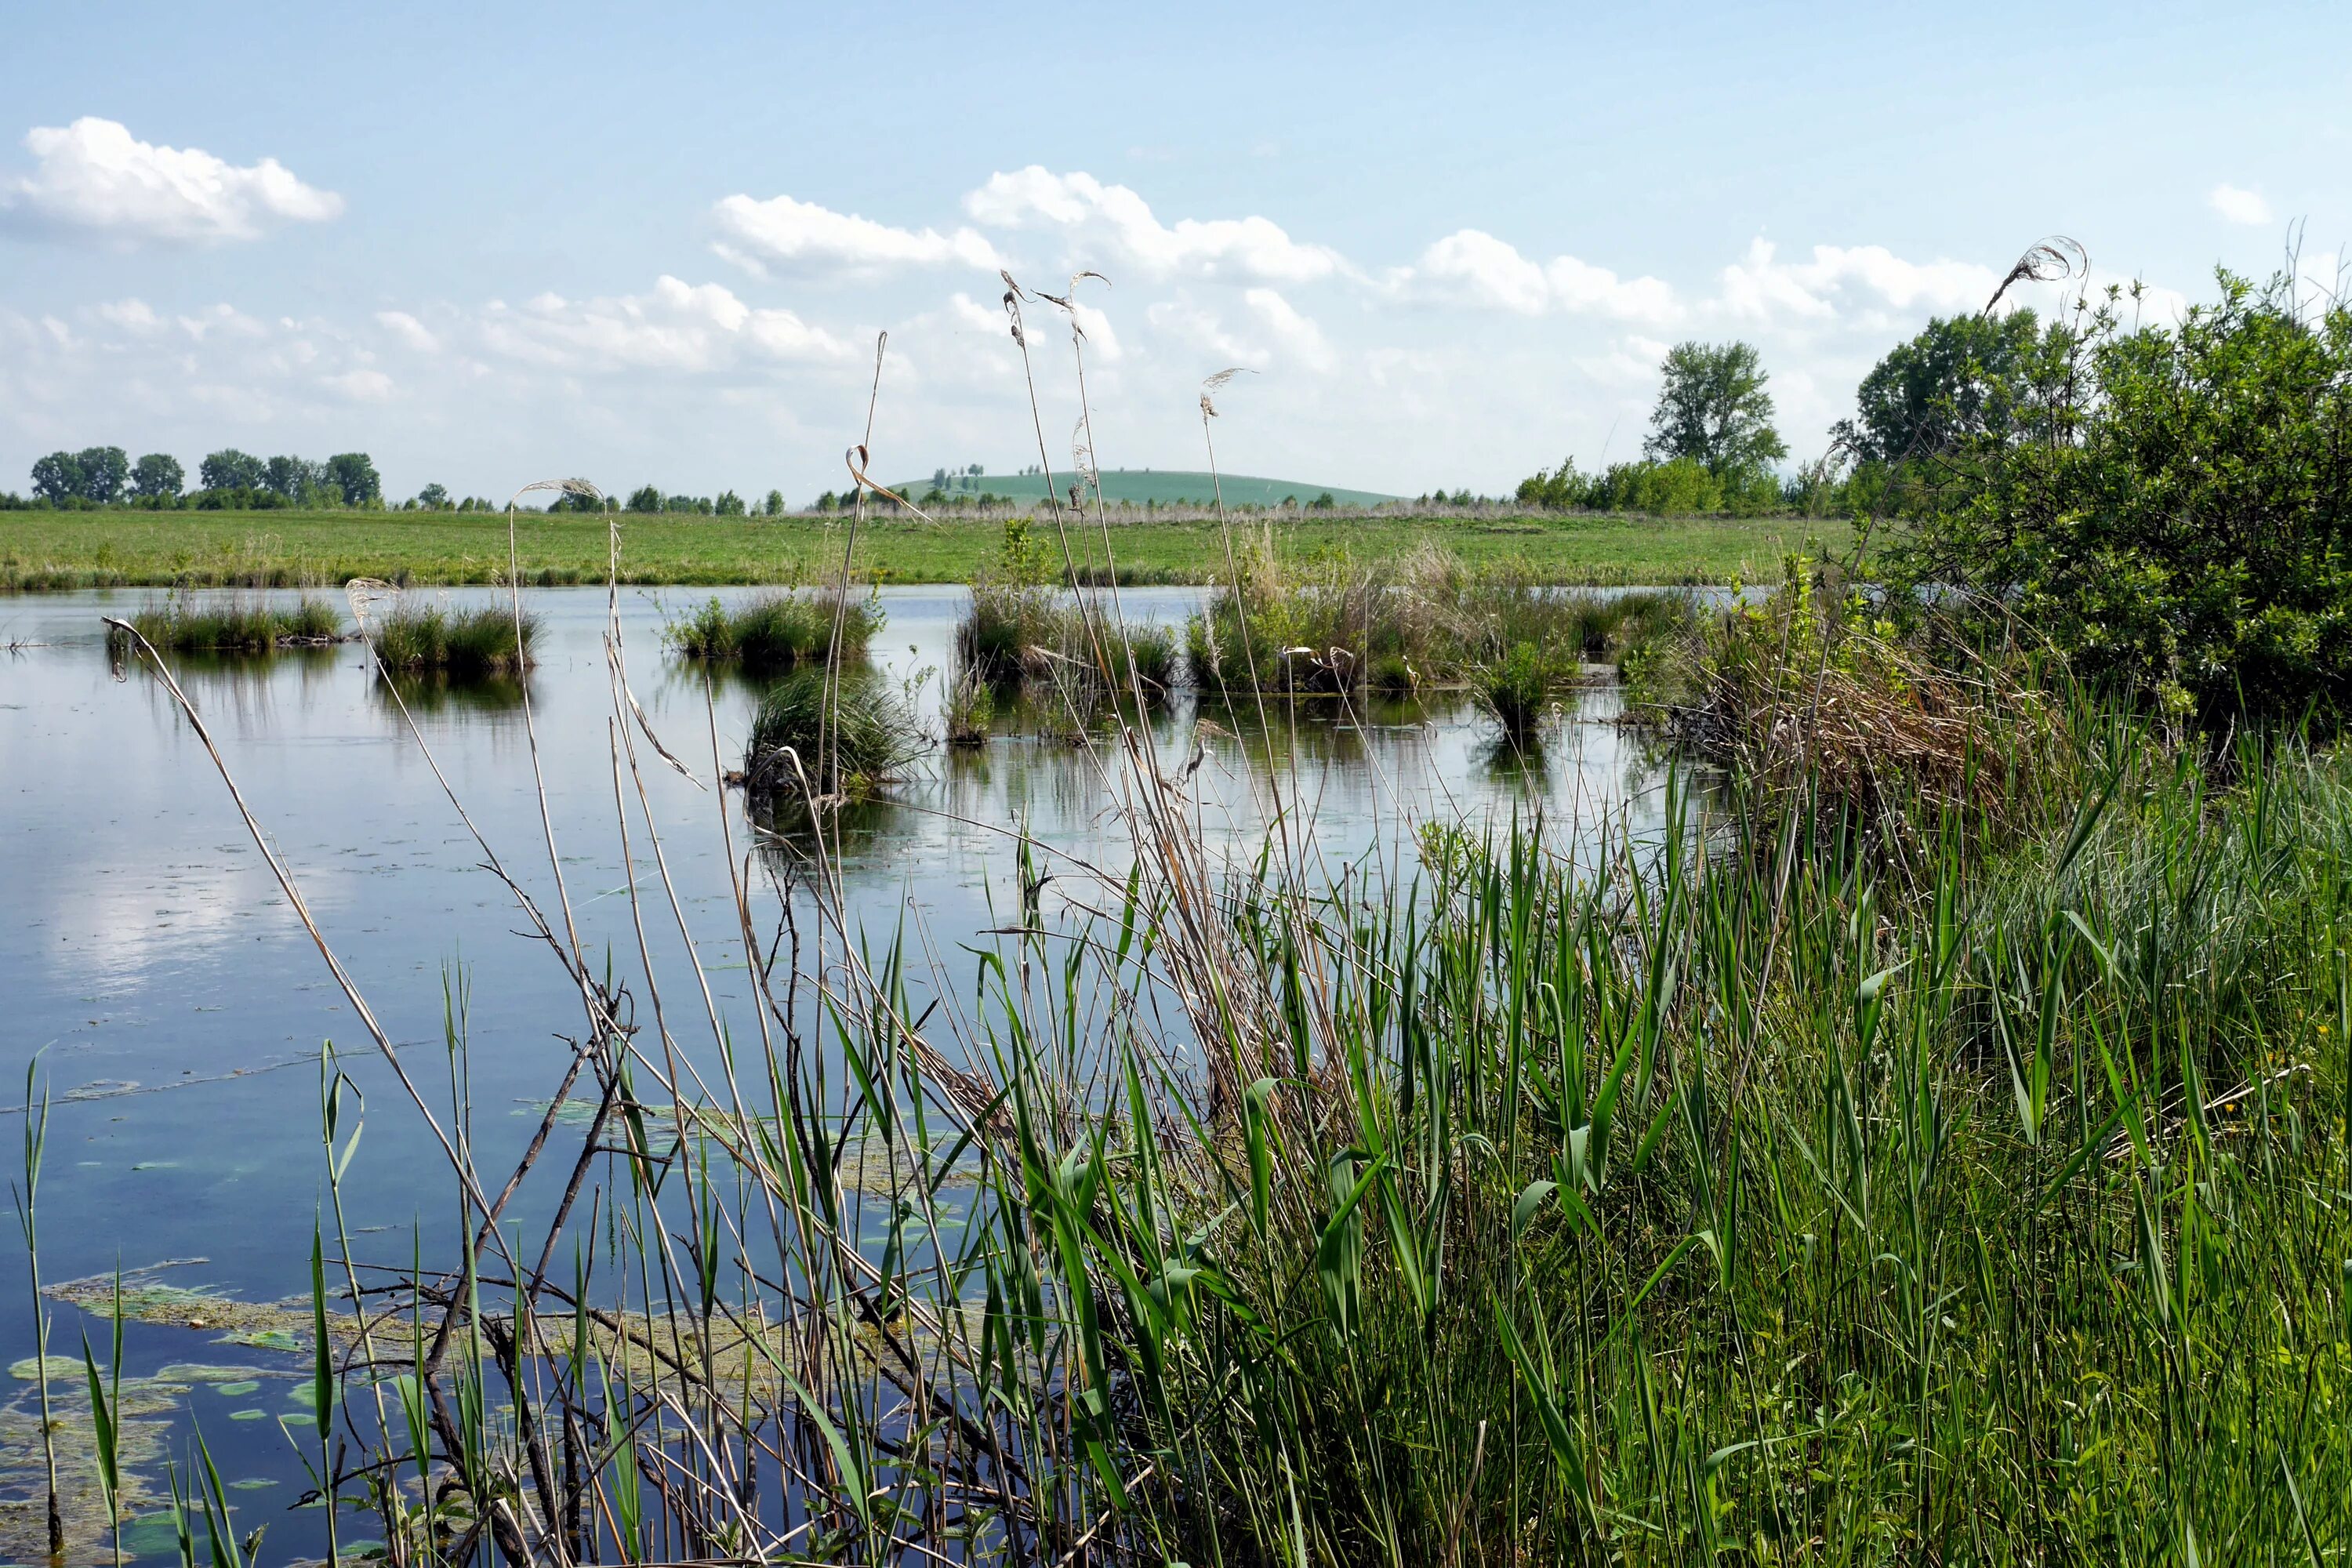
[2173, 511]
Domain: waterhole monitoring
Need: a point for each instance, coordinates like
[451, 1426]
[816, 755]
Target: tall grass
[844, 734]
[779, 630]
[1419, 622]
[482, 641]
[244, 625]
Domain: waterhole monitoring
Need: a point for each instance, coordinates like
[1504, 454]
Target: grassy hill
[1164, 486]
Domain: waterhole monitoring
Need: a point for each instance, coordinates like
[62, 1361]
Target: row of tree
[1712, 446]
[105, 476]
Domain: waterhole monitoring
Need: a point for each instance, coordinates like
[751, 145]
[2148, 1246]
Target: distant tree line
[227, 480]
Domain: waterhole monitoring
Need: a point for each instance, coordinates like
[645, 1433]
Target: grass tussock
[1420, 622]
[779, 630]
[1806, 695]
[238, 626]
[482, 641]
[840, 733]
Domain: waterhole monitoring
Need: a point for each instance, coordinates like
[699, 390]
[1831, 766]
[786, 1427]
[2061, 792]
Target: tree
[774, 505]
[645, 499]
[1947, 385]
[2179, 523]
[729, 504]
[104, 471]
[158, 477]
[355, 476]
[230, 469]
[1712, 408]
[434, 496]
[58, 477]
[293, 478]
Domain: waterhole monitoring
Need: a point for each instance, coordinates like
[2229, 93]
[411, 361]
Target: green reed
[779, 630]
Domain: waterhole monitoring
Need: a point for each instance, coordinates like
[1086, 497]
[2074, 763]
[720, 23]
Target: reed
[488, 640]
[844, 734]
[779, 630]
[244, 625]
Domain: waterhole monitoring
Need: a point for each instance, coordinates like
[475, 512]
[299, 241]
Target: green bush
[2172, 510]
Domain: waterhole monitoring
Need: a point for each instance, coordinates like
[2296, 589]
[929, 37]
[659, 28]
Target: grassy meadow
[57, 550]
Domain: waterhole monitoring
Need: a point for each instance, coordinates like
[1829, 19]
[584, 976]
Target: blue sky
[493, 244]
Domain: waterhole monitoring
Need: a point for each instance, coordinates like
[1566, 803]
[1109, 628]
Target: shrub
[2171, 508]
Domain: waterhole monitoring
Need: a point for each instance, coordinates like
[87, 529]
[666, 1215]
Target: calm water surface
[177, 1007]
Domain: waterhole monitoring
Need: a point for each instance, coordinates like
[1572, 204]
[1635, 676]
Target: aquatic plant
[840, 733]
[487, 639]
[779, 630]
[243, 625]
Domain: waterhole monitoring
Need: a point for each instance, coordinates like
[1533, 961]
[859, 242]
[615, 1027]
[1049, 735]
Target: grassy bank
[71, 549]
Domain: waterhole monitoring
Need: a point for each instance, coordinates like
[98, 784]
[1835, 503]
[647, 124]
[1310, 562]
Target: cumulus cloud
[2237, 205]
[93, 180]
[1472, 267]
[677, 327]
[1270, 332]
[414, 334]
[132, 315]
[359, 385]
[1112, 224]
[800, 236]
[1762, 288]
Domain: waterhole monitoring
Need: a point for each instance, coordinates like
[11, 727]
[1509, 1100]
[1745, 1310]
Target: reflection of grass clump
[239, 626]
[481, 641]
[778, 631]
[862, 737]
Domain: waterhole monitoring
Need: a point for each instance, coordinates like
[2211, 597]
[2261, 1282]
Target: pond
[176, 1006]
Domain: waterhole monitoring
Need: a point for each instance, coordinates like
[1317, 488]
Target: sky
[490, 243]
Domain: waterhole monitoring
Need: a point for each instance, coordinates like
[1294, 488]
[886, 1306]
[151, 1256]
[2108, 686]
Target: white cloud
[359, 385]
[132, 315]
[225, 319]
[408, 330]
[677, 327]
[1296, 337]
[1112, 224]
[1760, 288]
[94, 180]
[2239, 205]
[801, 236]
[1472, 267]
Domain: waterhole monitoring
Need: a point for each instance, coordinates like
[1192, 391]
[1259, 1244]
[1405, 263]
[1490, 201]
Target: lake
[177, 1007]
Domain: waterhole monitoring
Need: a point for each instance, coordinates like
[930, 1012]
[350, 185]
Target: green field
[56, 550]
[1156, 487]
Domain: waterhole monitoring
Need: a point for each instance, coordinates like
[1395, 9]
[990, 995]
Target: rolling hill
[1163, 487]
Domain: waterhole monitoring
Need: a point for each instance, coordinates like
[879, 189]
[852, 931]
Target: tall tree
[293, 478]
[1713, 408]
[645, 499]
[434, 496]
[58, 477]
[230, 469]
[104, 471]
[158, 477]
[353, 474]
[1956, 381]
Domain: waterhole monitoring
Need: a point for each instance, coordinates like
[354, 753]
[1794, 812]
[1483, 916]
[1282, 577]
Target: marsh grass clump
[842, 733]
[1515, 690]
[243, 625]
[1420, 622]
[779, 630]
[482, 641]
[968, 712]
